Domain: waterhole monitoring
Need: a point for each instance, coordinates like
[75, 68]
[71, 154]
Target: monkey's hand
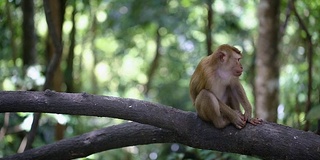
[238, 120]
[255, 121]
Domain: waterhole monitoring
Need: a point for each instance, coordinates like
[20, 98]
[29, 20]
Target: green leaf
[314, 113]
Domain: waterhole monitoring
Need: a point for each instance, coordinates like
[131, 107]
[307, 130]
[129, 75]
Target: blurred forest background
[148, 49]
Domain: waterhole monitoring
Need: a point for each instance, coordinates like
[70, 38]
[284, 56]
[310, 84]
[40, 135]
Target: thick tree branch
[127, 134]
[91, 105]
[268, 140]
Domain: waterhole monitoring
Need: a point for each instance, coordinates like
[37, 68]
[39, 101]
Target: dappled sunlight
[101, 16]
[34, 72]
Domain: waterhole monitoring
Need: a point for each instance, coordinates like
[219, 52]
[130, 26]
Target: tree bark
[29, 36]
[68, 73]
[267, 63]
[267, 141]
[127, 134]
[29, 58]
[13, 35]
[54, 11]
[209, 26]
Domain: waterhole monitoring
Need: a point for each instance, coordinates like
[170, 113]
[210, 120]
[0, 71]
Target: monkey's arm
[241, 96]
[243, 99]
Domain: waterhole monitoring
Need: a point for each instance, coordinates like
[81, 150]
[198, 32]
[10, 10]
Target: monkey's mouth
[238, 73]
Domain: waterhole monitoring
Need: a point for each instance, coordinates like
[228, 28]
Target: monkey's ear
[221, 56]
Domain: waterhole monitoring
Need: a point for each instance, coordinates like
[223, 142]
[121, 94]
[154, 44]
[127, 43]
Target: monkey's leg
[234, 116]
[208, 109]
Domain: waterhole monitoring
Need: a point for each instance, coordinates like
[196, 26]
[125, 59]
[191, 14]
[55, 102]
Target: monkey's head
[229, 59]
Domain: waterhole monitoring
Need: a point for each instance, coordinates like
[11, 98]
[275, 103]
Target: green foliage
[314, 113]
[114, 57]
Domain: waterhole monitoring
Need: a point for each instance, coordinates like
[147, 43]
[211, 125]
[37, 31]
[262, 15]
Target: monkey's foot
[255, 121]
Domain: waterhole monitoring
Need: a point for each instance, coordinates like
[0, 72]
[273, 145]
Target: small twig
[5, 126]
[155, 63]
[285, 23]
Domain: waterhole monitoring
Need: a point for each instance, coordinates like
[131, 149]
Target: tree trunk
[209, 26]
[29, 37]
[267, 63]
[29, 59]
[93, 30]
[56, 10]
[13, 35]
[69, 78]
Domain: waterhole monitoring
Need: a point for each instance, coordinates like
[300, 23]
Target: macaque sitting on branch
[216, 91]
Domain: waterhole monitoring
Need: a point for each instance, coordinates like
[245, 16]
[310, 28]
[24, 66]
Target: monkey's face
[236, 67]
[229, 64]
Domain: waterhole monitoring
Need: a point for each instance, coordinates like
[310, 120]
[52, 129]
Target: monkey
[216, 91]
